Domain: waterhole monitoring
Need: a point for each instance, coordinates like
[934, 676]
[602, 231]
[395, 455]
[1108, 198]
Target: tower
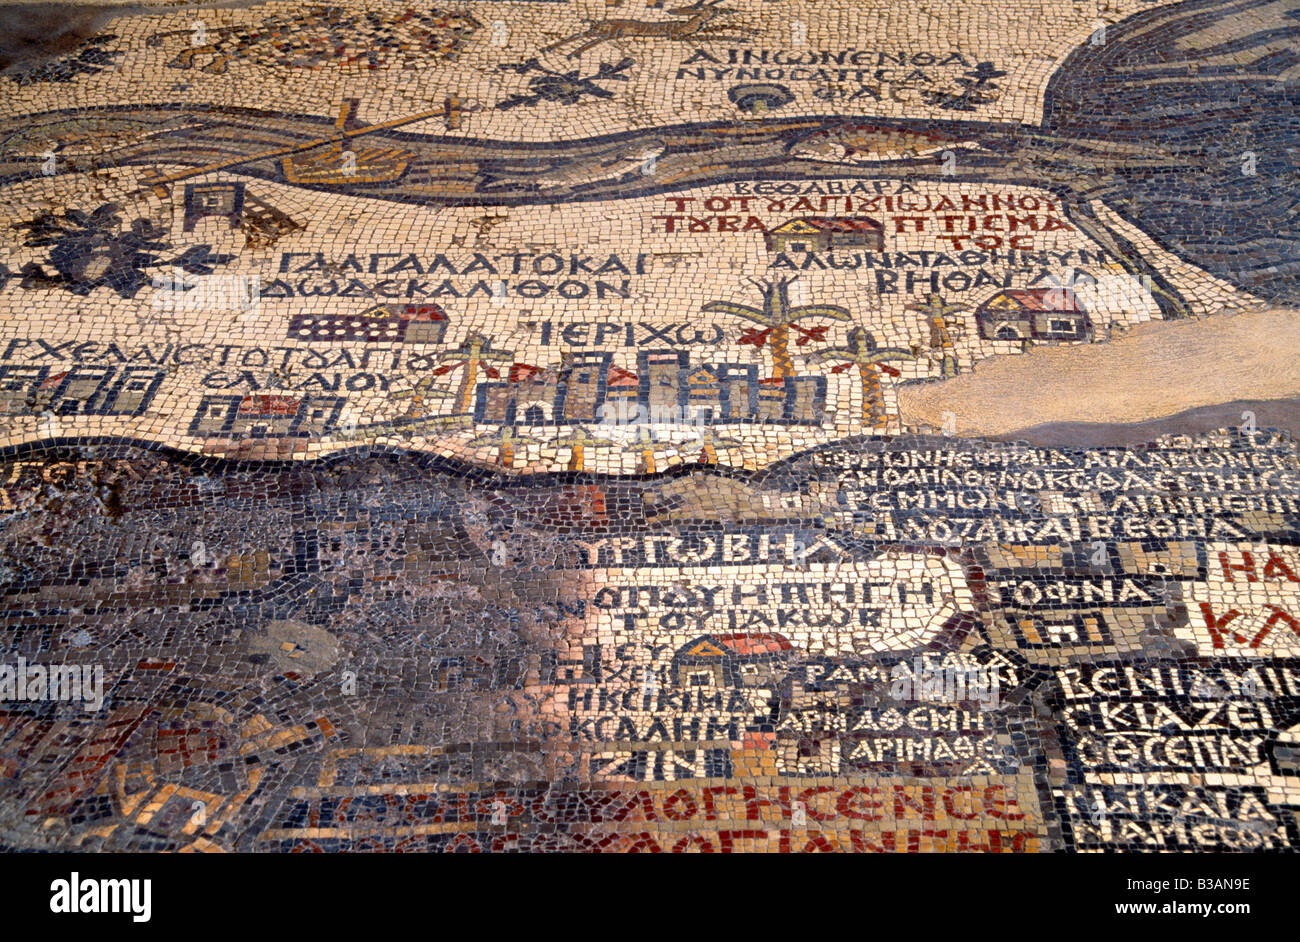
[583, 379]
[664, 388]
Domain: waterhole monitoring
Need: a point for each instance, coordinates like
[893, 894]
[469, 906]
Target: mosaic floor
[741, 426]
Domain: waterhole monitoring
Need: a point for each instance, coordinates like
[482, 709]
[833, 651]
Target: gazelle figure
[697, 14]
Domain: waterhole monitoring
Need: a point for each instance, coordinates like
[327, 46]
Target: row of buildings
[85, 389]
[666, 387]
[266, 416]
[586, 388]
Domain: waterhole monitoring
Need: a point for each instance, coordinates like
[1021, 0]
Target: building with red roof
[749, 659]
[826, 233]
[1043, 314]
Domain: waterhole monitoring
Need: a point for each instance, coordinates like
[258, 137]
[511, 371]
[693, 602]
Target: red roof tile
[755, 643]
[843, 223]
[1045, 299]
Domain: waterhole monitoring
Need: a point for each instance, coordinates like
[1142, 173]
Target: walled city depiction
[649, 425]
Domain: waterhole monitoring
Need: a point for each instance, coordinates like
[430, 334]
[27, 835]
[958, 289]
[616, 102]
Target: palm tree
[709, 442]
[862, 352]
[777, 316]
[644, 443]
[580, 438]
[474, 349]
[422, 390]
[505, 438]
[414, 425]
[938, 314]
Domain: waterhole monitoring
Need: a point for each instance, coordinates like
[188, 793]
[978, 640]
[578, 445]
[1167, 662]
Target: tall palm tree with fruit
[940, 319]
[776, 317]
[862, 351]
[474, 352]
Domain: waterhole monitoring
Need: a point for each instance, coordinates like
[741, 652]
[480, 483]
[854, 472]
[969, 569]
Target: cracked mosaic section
[601, 426]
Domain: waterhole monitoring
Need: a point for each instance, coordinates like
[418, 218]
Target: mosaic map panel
[611, 426]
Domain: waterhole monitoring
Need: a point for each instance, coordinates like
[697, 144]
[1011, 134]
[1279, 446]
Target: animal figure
[320, 36]
[864, 143]
[695, 26]
[566, 88]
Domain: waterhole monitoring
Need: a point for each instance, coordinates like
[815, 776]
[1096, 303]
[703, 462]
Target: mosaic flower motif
[89, 250]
